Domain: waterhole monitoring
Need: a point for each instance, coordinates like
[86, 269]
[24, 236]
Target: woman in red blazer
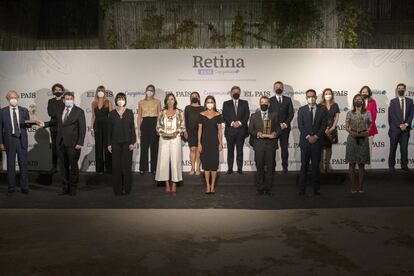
[371, 106]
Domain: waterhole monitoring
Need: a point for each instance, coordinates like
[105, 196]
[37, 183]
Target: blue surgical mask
[69, 103]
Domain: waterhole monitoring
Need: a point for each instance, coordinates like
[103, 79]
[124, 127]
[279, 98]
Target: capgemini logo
[381, 126]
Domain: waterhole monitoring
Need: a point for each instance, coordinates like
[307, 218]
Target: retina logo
[29, 95]
[217, 62]
[341, 93]
[257, 93]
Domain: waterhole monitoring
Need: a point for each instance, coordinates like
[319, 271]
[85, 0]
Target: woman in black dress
[210, 141]
[192, 115]
[331, 132]
[121, 137]
[101, 107]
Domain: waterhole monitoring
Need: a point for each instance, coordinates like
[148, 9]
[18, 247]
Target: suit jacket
[72, 131]
[6, 126]
[395, 117]
[53, 108]
[284, 110]
[305, 125]
[229, 115]
[256, 125]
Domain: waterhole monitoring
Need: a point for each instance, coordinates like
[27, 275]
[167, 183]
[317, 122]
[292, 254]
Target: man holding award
[264, 128]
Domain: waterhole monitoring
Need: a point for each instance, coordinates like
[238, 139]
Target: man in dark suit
[264, 145]
[54, 106]
[71, 130]
[400, 118]
[284, 107]
[312, 124]
[236, 114]
[13, 139]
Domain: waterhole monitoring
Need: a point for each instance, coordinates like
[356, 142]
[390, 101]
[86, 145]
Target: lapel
[22, 119]
[8, 118]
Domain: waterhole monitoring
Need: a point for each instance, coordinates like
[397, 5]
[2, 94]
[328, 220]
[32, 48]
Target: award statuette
[267, 128]
[32, 114]
[170, 127]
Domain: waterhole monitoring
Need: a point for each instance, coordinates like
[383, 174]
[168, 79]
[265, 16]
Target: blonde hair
[95, 100]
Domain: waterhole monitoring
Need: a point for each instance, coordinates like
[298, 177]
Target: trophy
[32, 114]
[267, 128]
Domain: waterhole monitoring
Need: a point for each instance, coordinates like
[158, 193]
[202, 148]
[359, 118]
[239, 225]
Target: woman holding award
[358, 124]
[210, 141]
[170, 126]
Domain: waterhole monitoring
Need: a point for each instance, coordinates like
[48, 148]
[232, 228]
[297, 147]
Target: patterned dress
[357, 148]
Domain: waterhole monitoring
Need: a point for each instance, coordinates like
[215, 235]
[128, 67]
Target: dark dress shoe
[239, 171]
[11, 190]
[25, 191]
[316, 192]
[229, 172]
[259, 193]
[141, 173]
[268, 193]
[406, 169]
[285, 170]
[392, 170]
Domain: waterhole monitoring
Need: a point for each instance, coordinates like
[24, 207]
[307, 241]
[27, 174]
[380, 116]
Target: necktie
[279, 99]
[263, 116]
[66, 114]
[16, 124]
[311, 110]
[235, 107]
[402, 110]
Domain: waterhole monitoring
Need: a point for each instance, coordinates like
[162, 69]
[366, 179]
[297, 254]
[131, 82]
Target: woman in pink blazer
[371, 106]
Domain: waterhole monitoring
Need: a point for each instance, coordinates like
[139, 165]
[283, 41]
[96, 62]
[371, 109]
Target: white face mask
[13, 102]
[311, 100]
[328, 97]
[100, 94]
[68, 103]
[210, 106]
[149, 93]
[120, 102]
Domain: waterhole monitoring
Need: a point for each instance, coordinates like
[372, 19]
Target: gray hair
[11, 92]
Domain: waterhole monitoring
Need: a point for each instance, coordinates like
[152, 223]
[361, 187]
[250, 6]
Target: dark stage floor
[232, 192]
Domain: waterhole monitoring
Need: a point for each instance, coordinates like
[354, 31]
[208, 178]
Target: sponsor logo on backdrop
[134, 93]
[381, 126]
[410, 161]
[341, 127]
[217, 65]
[410, 93]
[381, 110]
[379, 92]
[257, 94]
[344, 109]
[91, 94]
[340, 93]
[338, 161]
[28, 95]
[379, 160]
[378, 144]
[293, 145]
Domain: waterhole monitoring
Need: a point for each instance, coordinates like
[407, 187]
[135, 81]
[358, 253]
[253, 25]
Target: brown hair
[95, 100]
[363, 108]
[323, 101]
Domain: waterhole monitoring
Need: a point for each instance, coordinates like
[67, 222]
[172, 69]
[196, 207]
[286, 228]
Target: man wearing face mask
[284, 108]
[71, 130]
[264, 145]
[236, 114]
[54, 106]
[400, 117]
[312, 124]
[13, 139]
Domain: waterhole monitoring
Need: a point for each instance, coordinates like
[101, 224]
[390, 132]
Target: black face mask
[236, 96]
[194, 100]
[401, 93]
[279, 91]
[58, 94]
[358, 103]
[264, 107]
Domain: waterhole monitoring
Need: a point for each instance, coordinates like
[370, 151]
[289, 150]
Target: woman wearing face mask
[121, 140]
[331, 133]
[101, 107]
[148, 110]
[170, 126]
[358, 122]
[210, 141]
[191, 115]
[371, 106]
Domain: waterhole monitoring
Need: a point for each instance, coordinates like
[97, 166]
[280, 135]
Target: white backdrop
[32, 73]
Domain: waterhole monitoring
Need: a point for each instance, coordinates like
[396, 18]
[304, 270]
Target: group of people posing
[161, 127]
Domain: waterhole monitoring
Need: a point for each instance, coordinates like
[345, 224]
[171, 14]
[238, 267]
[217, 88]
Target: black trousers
[13, 149]
[103, 159]
[53, 135]
[235, 139]
[283, 141]
[264, 158]
[121, 168]
[68, 158]
[149, 140]
[310, 153]
[401, 139]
